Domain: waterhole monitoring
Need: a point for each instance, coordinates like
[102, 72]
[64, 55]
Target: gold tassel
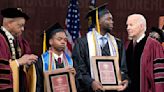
[44, 42]
[89, 21]
[97, 21]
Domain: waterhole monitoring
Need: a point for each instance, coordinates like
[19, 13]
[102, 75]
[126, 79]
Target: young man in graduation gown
[55, 57]
[141, 53]
[92, 45]
[15, 53]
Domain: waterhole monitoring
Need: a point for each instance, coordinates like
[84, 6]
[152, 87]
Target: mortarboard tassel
[44, 42]
[97, 21]
[89, 21]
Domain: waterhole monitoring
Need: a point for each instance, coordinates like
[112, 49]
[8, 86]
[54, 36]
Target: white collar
[140, 38]
[98, 36]
[56, 56]
[8, 34]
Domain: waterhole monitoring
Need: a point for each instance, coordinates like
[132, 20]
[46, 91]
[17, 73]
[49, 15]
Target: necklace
[11, 43]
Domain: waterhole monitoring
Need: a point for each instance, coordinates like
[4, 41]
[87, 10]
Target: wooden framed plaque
[106, 70]
[59, 80]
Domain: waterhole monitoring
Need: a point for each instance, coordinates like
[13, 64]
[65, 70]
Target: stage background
[44, 13]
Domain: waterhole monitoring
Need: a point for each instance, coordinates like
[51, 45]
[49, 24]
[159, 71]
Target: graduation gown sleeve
[9, 70]
[40, 77]
[152, 51]
[80, 56]
[6, 80]
[122, 59]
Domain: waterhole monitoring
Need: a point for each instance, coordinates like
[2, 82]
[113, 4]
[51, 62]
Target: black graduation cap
[14, 13]
[159, 31]
[102, 10]
[53, 29]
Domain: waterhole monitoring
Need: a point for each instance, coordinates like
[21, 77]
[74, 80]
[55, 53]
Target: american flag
[73, 19]
[72, 24]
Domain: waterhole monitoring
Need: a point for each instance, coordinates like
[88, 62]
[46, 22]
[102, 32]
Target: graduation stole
[95, 49]
[49, 61]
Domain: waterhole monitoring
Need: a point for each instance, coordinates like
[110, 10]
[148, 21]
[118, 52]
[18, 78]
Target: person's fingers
[72, 70]
[121, 87]
[97, 86]
[34, 57]
[27, 59]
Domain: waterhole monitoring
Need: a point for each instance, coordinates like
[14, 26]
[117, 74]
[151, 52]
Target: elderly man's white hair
[140, 19]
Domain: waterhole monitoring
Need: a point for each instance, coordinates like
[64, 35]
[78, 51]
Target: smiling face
[135, 27]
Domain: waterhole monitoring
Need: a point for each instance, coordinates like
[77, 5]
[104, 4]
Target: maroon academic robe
[6, 64]
[152, 50]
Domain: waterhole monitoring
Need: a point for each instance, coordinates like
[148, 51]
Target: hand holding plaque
[71, 69]
[60, 80]
[123, 85]
[106, 71]
[96, 85]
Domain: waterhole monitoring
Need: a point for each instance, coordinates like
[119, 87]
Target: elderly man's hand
[27, 59]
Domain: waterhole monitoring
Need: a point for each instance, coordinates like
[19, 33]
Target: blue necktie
[103, 41]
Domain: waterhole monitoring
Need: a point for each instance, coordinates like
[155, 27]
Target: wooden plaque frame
[100, 64]
[56, 75]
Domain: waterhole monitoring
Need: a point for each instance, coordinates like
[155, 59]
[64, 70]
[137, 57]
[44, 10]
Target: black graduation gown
[133, 64]
[81, 59]
[40, 76]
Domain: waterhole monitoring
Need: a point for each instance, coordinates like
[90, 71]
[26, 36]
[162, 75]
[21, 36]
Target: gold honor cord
[97, 21]
[90, 21]
[115, 46]
[44, 42]
[49, 66]
[50, 62]
[117, 56]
